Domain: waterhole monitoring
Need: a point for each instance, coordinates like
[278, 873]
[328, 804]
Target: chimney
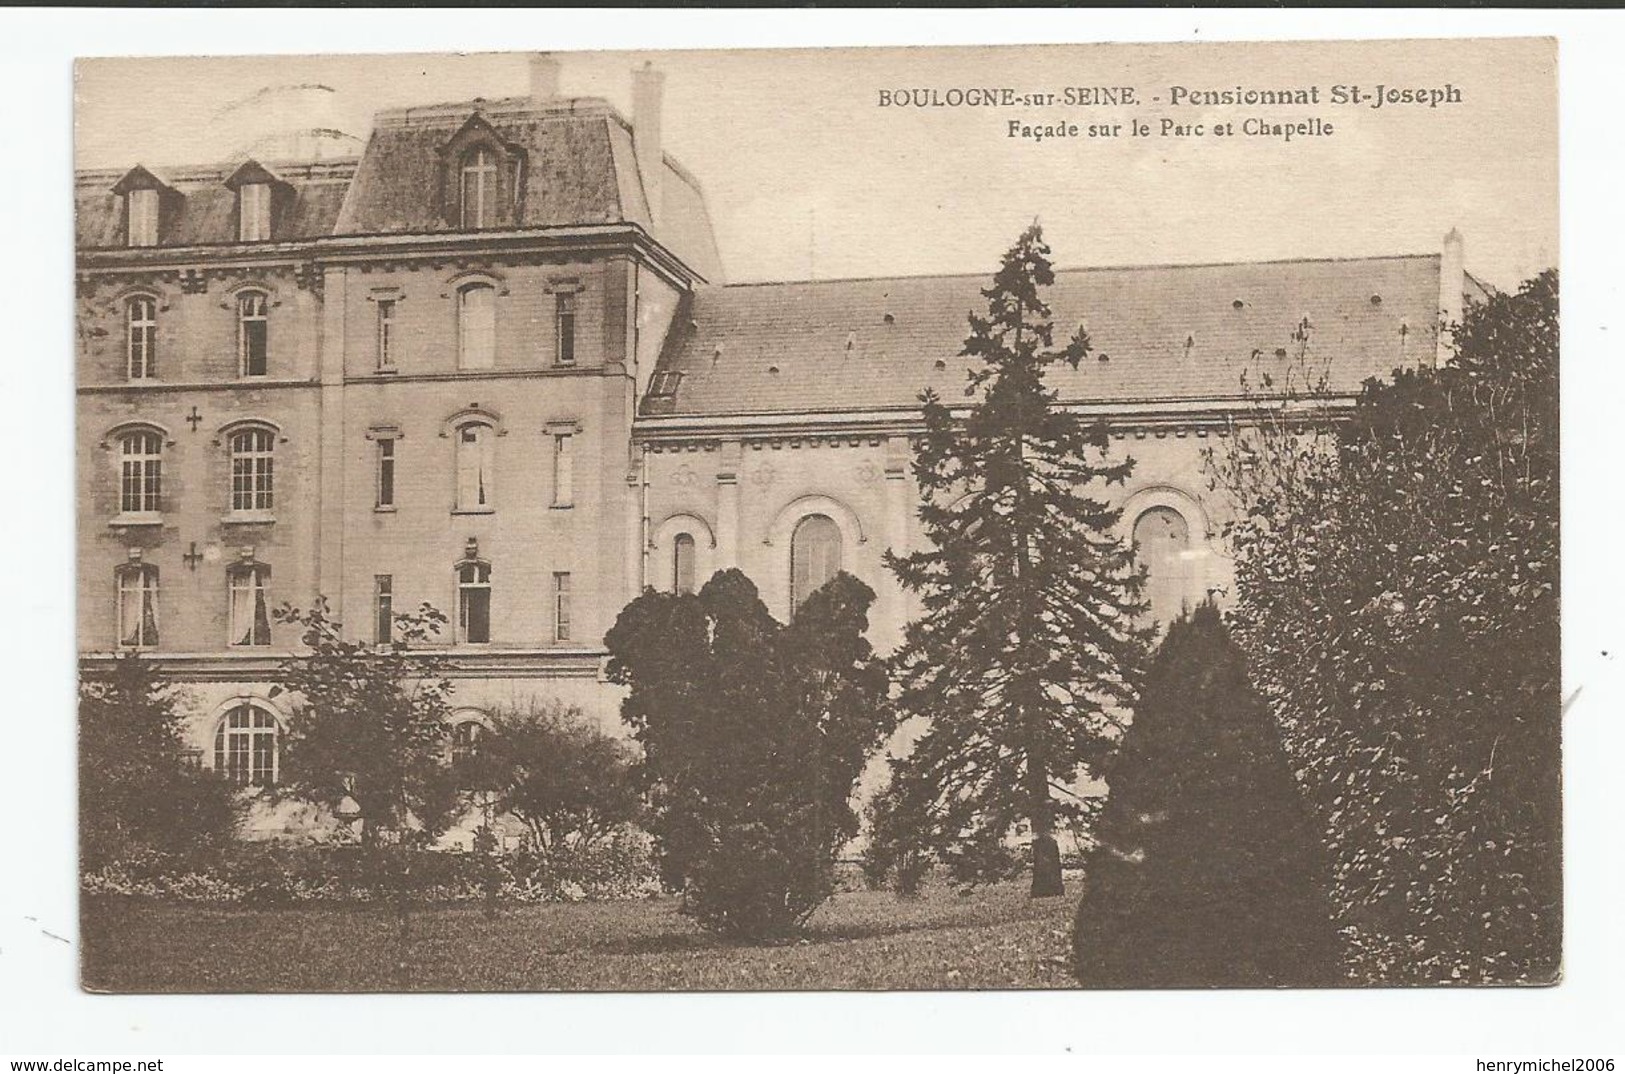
[544, 77]
[1452, 287]
[648, 90]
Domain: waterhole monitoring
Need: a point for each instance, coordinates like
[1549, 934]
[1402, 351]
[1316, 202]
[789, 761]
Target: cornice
[457, 663]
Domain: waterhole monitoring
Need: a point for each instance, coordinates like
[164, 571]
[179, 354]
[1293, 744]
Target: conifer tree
[1026, 652]
[1207, 869]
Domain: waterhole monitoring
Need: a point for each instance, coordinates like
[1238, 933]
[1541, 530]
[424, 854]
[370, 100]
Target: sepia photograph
[1033, 517]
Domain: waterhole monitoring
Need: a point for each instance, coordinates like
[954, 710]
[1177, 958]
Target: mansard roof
[580, 169]
[203, 207]
[1159, 333]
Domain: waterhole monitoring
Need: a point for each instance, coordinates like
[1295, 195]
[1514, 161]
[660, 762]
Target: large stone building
[492, 364]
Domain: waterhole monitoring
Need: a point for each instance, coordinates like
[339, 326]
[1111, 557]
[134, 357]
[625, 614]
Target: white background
[42, 1013]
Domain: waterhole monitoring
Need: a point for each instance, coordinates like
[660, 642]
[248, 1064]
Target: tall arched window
[474, 602]
[465, 741]
[245, 747]
[141, 468]
[476, 326]
[248, 610]
[252, 469]
[1162, 544]
[815, 556]
[253, 333]
[479, 188]
[141, 350]
[138, 605]
[682, 563]
[476, 463]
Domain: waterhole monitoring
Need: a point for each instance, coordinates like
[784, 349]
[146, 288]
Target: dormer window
[482, 175]
[479, 187]
[254, 212]
[260, 196]
[148, 200]
[142, 207]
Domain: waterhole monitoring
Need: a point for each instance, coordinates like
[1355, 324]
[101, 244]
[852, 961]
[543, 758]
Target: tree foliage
[570, 783]
[753, 737]
[1026, 652]
[1397, 598]
[135, 791]
[1207, 868]
[369, 722]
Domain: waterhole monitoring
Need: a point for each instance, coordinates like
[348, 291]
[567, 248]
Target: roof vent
[851, 341]
[1376, 300]
[1104, 357]
[773, 369]
[716, 355]
[889, 319]
[1280, 352]
[940, 364]
[1237, 304]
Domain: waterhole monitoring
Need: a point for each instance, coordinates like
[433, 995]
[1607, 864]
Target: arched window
[815, 556]
[474, 602]
[476, 465]
[141, 468]
[682, 563]
[253, 337]
[248, 612]
[141, 350]
[252, 469]
[138, 605]
[476, 326]
[466, 741]
[478, 189]
[245, 747]
[1162, 544]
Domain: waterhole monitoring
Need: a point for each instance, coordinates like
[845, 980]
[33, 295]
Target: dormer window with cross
[481, 178]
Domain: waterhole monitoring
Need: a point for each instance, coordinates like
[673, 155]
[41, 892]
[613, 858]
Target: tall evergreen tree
[1207, 869]
[1027, 651]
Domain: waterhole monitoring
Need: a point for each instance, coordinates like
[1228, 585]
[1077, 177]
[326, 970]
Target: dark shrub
[1207, 869]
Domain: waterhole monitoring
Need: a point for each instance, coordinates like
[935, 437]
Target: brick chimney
[1452, 288]
[648, 92]
[544, 77]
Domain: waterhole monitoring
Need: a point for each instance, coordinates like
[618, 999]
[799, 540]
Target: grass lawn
[994, 937]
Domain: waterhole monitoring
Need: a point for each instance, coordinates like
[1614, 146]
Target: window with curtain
[248, 613]
[383, 602]
[141, 468]
[474, 602]
[252, 469]
[245, 747]
[142, 209]
[564, 328]
[254, 212]
[564, 485]
[138, 606]
[386, 333]
[476, 456]
[141, 348]
[476, 326]
[479, 188]
[561, 606]
[815, 556]
[386, 472]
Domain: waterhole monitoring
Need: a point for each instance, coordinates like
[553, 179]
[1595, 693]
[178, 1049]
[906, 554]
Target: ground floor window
[245, 747]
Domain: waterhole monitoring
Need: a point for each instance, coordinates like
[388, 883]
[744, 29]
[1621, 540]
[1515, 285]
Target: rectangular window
[249, 614]
[138, 607]
[474, 603]
[386, 472]
[477, 327]
[561, 605]
[142, 206]
[563, 470]
[254, 212]
[142, 341]
[383, 589]
[253, 334]
[564, 328]
[386, 333]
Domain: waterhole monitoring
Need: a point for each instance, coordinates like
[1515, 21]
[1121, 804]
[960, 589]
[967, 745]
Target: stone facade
[615, 400]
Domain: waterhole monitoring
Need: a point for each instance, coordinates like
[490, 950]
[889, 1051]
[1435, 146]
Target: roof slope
[1159, 333]
[206, 212]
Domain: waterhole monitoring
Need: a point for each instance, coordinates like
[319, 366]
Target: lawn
[993, 937]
